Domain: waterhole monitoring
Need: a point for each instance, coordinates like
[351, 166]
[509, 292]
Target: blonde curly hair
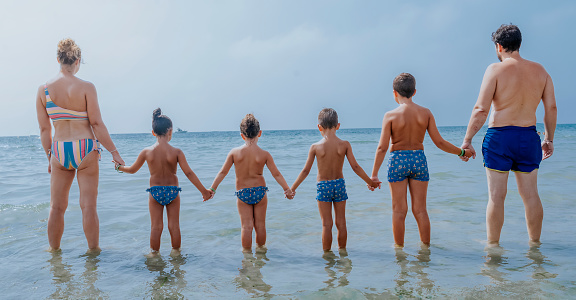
[68, 52]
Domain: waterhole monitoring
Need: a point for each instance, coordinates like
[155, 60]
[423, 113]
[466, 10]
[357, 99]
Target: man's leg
[528, 189]
[497, 188]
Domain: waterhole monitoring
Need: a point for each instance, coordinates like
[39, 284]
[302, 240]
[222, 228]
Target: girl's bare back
[162, 160]
[249, 162]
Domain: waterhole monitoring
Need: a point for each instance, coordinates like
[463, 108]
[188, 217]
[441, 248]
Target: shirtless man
[514, 88]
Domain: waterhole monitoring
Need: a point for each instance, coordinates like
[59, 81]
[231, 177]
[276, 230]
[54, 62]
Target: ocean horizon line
[228, 131]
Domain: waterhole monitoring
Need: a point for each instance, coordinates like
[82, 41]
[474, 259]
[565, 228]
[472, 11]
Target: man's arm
[482, 107]
[550, 115]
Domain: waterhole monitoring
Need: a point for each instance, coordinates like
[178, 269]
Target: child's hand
[467, 146]
[289, 193]
[117, 166]
[207, 194]
[376, 183]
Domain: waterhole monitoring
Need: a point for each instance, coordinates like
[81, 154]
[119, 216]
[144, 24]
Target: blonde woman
[72, 105]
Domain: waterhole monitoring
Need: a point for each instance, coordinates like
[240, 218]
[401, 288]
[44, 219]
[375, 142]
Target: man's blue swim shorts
[512, 148]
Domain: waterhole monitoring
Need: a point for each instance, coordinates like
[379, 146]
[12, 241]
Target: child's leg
[260, 221]
[399, 209]
[173, 215]
[418, 191]
[246, 212]
[156, 223]
[340, 220]
[325, 209]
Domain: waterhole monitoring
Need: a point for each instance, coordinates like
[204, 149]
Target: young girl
[249, 161]
[162, 160]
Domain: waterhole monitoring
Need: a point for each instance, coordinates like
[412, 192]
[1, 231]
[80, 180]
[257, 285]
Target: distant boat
[178, 130]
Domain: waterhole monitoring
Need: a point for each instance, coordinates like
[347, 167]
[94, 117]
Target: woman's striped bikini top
[57, 113]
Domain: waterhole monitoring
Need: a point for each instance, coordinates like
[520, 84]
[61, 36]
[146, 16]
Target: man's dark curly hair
[508, 36]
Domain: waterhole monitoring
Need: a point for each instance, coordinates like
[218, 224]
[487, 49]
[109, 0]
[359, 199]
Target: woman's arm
[304, 173]
[206, 193]
[95, 118]
[45, 126]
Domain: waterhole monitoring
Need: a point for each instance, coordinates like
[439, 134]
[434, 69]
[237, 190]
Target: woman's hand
[117, 158]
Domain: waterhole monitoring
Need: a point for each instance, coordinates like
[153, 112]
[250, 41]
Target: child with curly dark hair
[249, 161]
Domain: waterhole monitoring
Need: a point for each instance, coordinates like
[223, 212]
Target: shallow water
[457, 265]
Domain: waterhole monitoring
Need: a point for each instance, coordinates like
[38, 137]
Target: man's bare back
[519, 85]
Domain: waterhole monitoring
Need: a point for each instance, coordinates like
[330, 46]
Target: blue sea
[457, 265]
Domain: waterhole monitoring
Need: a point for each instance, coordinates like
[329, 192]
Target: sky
[208, 63]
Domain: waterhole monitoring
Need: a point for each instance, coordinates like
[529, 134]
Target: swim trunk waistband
[516, 128]
[407, 151]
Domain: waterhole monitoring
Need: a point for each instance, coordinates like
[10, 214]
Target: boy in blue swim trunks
[404, 128]
[162, 160]
[249, 161]
[331, 189]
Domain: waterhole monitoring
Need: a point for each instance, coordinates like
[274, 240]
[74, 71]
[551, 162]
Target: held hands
[207, 194]
[117, 158]
[547, 149]
[469, 151]
[117, 166]
[376, 183]
[288, 193]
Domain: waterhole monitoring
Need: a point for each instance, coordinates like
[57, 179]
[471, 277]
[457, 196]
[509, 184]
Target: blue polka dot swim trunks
[407, 164]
